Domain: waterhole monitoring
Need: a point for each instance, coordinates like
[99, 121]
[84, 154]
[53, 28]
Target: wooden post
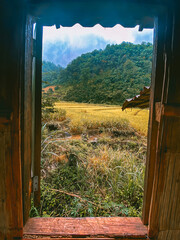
[11, 75]
[155, 96]
[38, 92]
[27, 121]
[164, 210]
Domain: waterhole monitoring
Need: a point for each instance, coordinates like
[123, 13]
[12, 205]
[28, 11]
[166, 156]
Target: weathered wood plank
[84, 227]
[166, 110]
[9, 226]
[38, 92]
[171, 194]
[3, 142]
[171, 111]
[155, 96]
[30, 238]
[85, 238]
[11, 75]
[169, 235]
[164, 212]
[166, 195]
[27, 122]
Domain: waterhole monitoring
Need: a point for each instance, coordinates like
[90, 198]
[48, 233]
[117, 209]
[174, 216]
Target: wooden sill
[89, 228]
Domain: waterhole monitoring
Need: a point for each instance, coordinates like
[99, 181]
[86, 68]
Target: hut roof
[139, 101]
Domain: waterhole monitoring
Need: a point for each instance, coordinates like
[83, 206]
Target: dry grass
[94, 115]
[99, 172]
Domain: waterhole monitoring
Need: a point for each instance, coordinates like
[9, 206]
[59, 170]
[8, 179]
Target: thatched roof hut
[139, 101]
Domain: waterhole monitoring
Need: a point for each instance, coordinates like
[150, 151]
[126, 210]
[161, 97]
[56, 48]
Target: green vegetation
[93, 155]
[106, 76]
[50, 73]
[92, 168]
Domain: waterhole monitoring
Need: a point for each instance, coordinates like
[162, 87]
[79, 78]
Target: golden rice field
[94, 114]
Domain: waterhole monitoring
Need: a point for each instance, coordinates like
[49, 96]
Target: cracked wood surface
[92, 227]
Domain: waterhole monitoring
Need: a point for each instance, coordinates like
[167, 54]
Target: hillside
[50, 73]
[106, 76]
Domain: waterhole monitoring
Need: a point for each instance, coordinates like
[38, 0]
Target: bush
[49, 112]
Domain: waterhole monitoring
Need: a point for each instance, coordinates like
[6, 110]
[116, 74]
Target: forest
[103, 76]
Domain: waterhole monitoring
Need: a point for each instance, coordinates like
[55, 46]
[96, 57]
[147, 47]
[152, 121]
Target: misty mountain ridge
[105, 76]
[63, 52]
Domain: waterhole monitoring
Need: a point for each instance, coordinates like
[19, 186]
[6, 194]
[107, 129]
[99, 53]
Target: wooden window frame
[156, 93]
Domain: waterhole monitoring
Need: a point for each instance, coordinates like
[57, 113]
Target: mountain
[63, 52]
[50, 73]
[107, 76]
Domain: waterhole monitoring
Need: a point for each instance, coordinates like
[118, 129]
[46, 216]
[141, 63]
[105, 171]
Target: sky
[62, 45]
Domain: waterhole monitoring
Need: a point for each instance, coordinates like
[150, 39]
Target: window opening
[93, 153]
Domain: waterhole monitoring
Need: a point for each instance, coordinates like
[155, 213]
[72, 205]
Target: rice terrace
[99, 113]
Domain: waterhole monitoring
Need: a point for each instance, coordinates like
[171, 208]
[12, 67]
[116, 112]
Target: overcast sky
[73, 41]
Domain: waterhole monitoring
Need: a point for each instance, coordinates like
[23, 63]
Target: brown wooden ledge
[89, 228]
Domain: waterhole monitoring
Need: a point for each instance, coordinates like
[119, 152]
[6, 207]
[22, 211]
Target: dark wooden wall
[11, 75]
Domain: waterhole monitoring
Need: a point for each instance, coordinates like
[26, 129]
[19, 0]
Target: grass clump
[79, 126]
[102, 182]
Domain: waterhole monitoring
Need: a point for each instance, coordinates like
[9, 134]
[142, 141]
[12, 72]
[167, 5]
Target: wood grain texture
[84, 227]
[170, 216]
[155, 96]
[81, 238]
[38, 93]
[171, 110]
[169, 235]
[32, 237]
[4, 141]
[26, 132]
[11, 75]
[166, 110]
[164, 218]
[10, 220]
